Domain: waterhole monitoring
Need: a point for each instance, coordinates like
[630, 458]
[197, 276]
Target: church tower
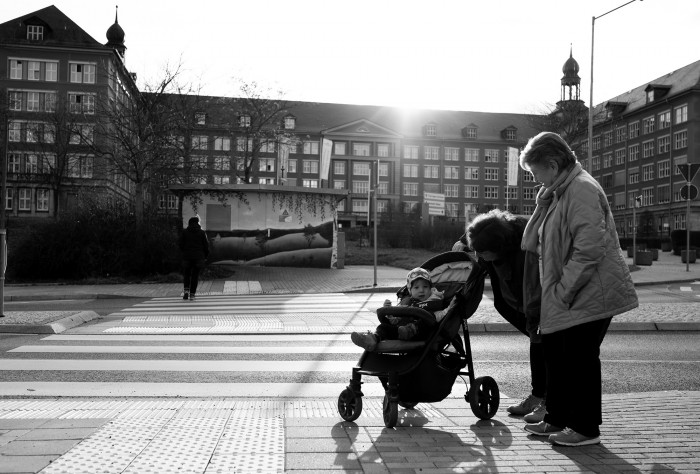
[115, 37]
[571, 82]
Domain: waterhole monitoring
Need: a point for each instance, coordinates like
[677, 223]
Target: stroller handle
[406, 311]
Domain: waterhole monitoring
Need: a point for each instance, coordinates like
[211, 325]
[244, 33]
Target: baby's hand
[387, 303]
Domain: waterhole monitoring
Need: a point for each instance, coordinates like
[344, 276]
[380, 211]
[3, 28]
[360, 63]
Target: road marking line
[270, 366]
[349, 349]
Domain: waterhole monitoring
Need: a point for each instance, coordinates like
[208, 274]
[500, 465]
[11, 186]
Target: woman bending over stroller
[406, 328]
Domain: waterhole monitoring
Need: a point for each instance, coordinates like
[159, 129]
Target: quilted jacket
[584, 274]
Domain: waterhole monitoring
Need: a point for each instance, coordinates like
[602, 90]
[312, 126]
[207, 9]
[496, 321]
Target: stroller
[413, 372]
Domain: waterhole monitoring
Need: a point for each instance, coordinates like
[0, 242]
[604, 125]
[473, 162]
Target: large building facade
[48, 65]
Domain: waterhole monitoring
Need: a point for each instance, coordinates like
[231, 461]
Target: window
[82, 73]
[452, 190]
[634, 129]
[410, 151]
[681, 113]
[167, 201]
[471, 191]
[620, 156]
[648, 197]
[244, 145]
[432, 152]
[360, 169]
[51, 71]
[199, 142]
[42, 200]
[620, 134]
[244, 121]
[310, 166]
[200, 118]
[35, 32]
[647, 172]
[452, 209]
[338, 184]
[410, 189]
[410, 171]
[431, 130]
[310, 183]
[469, 132]
[383, 169]
[33, 70]
[451, 154]
[491, 192]
[8, 199]
[606, 181]
[647, 149]
[81, 103]
[511, 193]
[268, 146]
[311, 148]
[382, 188]
[31, 164]
[663, 169]
[451, 172]
[222, 144]
[529, 192]
[619, 200]
[511, 134]
[491, 156]
[15, 100]
[431, 171]
[680, 140]
[607, 139]
[491, 174]
[620, 177]
[292, 166]
[360, 187]
[360, 205]
[16, 67]
[471, 208]
[339, 148]
[290, 122]
[471, 173]
[24, 198]
[14, 133]
[266, 164]
[633, 176]
[222, 163]
[663, 194]
[607, 160]
[596, 143]
[338, 167]
[663, 144]
[633, 153]
[648, 125]
[471, 154]
[361, 149]
[664, 120]
[382, 205]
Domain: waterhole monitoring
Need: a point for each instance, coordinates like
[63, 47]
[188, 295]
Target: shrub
[96, 242]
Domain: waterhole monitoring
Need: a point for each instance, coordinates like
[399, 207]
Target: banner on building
[513, 165]
[283, 153]
[326, 158]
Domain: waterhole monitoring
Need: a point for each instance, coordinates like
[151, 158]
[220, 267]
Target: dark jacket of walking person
[495, 237]
[195, 249]
[585, 282]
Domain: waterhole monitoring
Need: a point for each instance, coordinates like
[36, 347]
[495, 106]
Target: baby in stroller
[422, 294]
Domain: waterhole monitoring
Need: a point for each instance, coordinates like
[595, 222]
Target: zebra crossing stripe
[105, 349]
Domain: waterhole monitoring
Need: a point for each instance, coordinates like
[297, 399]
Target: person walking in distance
[195, 249]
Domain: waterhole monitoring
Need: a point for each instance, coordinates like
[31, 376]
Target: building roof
[680, 80]
[60, 30]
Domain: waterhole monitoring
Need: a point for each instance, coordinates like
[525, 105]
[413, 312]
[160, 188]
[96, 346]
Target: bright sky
[485, 55]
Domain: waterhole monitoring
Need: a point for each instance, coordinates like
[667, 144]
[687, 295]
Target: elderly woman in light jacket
[585, 282]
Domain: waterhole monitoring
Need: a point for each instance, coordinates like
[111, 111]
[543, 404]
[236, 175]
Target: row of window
[77, 166]
[42, 132]
[452, 209]
[660, 121]
[39, 70]
[648, 149]
[45, 101]
[27, 199]
[662, 194]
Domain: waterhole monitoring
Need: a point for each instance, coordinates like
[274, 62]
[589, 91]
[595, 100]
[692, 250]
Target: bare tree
[568, 118]
[256, 120]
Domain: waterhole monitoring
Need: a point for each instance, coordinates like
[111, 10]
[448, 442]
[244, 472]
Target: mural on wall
[281, 229]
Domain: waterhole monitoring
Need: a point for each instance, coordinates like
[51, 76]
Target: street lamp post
[589, 165]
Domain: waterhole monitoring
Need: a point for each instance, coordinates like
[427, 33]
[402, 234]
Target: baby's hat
[416, 274]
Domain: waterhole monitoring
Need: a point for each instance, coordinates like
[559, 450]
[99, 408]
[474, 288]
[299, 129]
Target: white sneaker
[536, 415]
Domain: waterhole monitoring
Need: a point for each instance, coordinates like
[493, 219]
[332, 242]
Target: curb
[54, 327]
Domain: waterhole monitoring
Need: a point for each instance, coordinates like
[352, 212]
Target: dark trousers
[538, 369]
[574, 389]
[190, 271]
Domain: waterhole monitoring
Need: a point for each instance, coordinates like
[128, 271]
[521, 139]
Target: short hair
[193, 220]
[496, 231]
[545, 146]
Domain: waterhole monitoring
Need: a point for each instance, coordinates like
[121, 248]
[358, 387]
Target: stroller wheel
[349, 405]
[391, 412]
[483, 397]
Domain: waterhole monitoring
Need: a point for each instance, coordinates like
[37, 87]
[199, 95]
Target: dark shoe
[367, 341]
[525, 406]
[542, 429]
[568, 437]
[186, 295]
[192, 297]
